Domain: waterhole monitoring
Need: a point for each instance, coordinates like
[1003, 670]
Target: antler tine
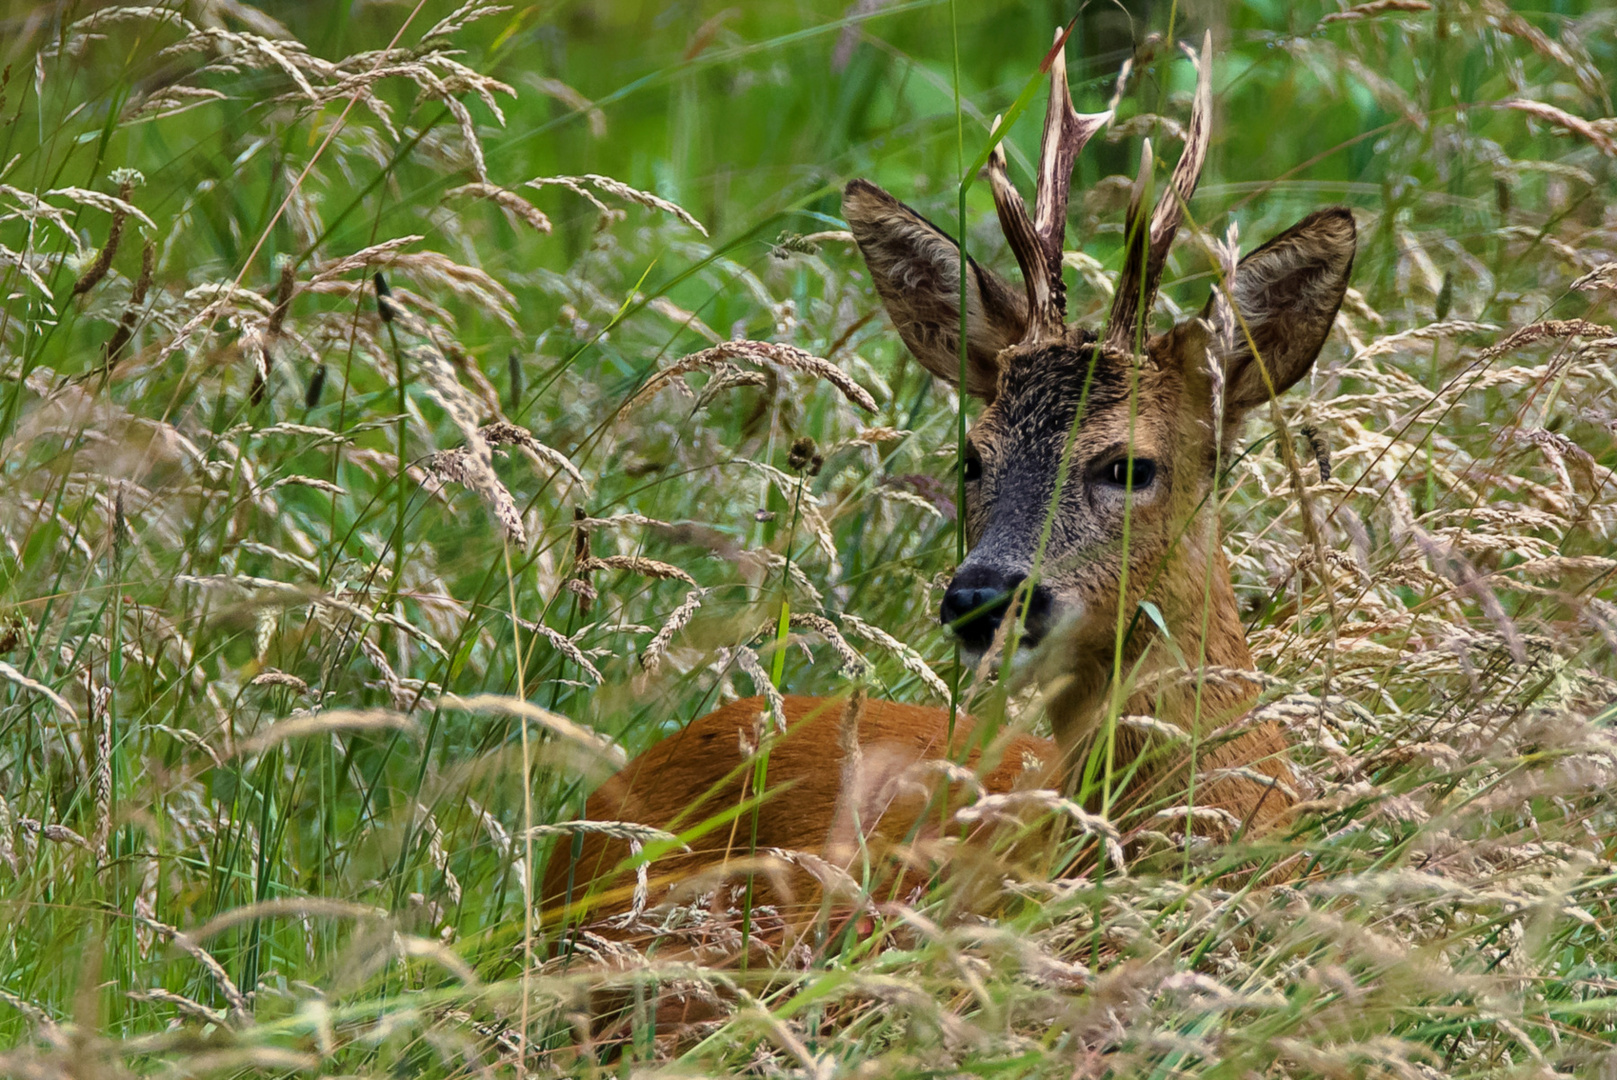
[1014, 222]
[1142, 270]
[1066, 130]
[1120, 324]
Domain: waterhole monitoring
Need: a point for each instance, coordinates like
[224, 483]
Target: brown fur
[700, 772]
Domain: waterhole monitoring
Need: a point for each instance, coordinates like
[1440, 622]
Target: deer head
[1100, 447]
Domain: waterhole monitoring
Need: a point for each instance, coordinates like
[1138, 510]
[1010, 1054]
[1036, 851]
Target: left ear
[916, 269]
[1286, 295]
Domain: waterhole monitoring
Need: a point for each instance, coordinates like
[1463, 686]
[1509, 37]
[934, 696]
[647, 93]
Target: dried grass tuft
[1577, 125]
[557, 725]
[303, 724]
[617, 189]
[17, 678]
[757, 352]
[518, 207]
[1374, 8]
[651, 659]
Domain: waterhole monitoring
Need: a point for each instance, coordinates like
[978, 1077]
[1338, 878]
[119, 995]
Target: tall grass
[360, 511]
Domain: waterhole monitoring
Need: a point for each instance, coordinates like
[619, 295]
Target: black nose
[977, 599]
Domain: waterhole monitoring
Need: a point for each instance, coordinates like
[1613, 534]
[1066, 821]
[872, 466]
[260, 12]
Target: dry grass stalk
[24, 263]
[369, 259]
[558, 726]
[472, 464]
[99, 700]
[623, 521]
[112, 204]
[927, 506]
[253, 50]
[619, 830]
[410, 947]
[651, 659]
[1603, 276]
[184, 1005]
[853, 665]
[169, 101]
[1392, 343]
[1375, 7]
[30, 207]
[573, 100]
[1549, 328]
[758, 352]
[1011, 805]
[680, 317]
[504, 433]
[636, 836]
[8, 853]
[912, 661]
[514, 204]
[17, 678]
[1588, 76]
[568, 648]
[616, 188]
[315, 482]
[463, 16]
[747, 661]
[239, 1009]
[332, 720]
[755, 561]
[56, 834]
[1577, 125]
[280, 678]
[438, 854]
[36, 1016]
[299, 907]
[639, 564]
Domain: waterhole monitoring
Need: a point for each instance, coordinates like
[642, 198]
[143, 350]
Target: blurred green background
[751, 116]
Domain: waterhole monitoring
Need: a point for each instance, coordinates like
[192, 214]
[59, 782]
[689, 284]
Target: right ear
[916, 268]
[1286, 295]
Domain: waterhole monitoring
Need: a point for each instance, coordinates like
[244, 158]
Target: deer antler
[1037, 242]
[1142, 270]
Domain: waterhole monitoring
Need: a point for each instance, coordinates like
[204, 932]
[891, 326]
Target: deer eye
[1118, 473]
[972, 466]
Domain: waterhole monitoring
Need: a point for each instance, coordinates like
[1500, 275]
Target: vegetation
[320, 610]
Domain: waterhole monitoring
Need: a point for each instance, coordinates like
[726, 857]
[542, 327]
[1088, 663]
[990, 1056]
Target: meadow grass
[378, 468]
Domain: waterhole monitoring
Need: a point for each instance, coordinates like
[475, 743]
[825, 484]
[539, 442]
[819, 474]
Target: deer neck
[1189, 677]
[1192, 678]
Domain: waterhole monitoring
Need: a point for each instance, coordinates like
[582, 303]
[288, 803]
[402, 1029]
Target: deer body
[810, 804]
[1089, 494]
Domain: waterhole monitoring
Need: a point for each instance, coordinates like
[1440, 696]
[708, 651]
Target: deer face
[1090, 461]
[1054, 465]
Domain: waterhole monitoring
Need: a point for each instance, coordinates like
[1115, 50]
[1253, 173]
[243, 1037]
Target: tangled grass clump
[409, 440]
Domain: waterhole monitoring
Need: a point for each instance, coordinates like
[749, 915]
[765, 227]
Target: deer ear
[916, 268]
[1286, 295]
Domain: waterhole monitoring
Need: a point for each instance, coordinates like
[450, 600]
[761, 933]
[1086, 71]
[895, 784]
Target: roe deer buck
[1101, 449]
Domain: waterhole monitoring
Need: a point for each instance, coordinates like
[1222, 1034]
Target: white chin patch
[1069, 614]
[1023, 658]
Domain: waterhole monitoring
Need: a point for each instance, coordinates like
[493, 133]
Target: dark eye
[972, 466]
[1144, 472]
